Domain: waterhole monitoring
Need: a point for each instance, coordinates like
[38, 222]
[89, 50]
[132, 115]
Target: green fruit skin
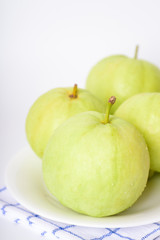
[53, 108]
[93, 168]
[143, 110]
[122, 77]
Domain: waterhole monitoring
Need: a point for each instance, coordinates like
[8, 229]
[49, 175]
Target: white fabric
[49, 229]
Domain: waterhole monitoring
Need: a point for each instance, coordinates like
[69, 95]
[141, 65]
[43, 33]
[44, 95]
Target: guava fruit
[53, 108]
[123, 77]
[96, 164]
[143, 110]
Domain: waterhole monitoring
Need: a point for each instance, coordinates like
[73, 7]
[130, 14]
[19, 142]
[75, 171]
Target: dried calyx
[74, 93]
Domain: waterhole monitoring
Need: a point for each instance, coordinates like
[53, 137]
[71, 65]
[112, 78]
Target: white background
[52, 43]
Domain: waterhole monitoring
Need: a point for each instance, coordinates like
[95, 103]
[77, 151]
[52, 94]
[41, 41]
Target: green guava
[53, 108]
[96, 164]
[143, 110]
[123, 77]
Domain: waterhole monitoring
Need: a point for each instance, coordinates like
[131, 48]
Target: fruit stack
[95, 163]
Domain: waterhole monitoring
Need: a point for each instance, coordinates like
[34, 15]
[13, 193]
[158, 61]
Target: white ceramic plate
[25, 182]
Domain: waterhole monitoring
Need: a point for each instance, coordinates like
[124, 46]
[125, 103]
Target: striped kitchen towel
[48, 229]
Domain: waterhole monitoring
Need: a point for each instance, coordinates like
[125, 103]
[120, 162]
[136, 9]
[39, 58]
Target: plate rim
[101, 223]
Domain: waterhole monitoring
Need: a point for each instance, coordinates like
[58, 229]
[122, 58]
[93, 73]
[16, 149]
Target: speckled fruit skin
[123, 77]
[94, 168]
[53, 108]
[143, 110]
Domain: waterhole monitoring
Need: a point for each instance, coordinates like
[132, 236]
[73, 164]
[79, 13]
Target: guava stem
[110, 102]
[74, 93]
[136, 52]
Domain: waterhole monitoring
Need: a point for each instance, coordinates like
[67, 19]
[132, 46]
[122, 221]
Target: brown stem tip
[136, 52]
[74, 93]
[112, 100]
